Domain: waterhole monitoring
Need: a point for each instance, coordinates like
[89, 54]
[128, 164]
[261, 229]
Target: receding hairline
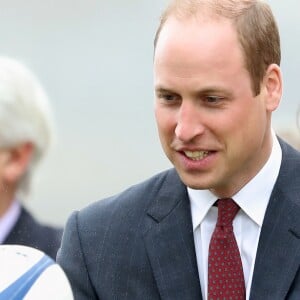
[205, 10]
[253, 20]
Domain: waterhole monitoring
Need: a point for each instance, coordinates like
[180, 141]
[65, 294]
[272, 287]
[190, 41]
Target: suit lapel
[278, 253]
[170, 243]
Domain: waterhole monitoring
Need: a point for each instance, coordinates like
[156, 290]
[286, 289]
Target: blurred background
[94, 59]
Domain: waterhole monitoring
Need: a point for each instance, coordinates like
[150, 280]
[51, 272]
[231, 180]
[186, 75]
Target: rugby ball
[29, 274]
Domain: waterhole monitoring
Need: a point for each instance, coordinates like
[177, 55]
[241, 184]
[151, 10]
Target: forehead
[197, 41]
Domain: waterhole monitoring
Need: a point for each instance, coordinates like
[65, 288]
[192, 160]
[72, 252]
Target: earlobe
[273, 86]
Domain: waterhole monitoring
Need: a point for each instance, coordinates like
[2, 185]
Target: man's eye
[213, 99]
[167, 97]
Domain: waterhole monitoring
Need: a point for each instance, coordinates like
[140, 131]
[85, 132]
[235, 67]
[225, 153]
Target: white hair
[25, 114]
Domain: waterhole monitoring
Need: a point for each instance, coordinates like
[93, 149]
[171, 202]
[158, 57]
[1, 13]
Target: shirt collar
[253, 198]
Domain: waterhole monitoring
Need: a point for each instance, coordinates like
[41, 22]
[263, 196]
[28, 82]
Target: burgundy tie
[225, 270]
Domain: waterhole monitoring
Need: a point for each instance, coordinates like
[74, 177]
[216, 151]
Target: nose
[189, 122]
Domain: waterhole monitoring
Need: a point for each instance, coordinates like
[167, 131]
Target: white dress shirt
[9, 219]
[253, 199]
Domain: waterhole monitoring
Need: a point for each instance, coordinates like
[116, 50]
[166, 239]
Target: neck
[7, 194]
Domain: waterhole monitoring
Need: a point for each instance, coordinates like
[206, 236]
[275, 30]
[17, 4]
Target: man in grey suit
[25, 136]
[217, 81]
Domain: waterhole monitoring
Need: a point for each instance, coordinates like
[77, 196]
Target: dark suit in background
[29, 232]
[139, 244]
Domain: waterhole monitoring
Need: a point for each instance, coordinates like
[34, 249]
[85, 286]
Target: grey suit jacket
[29, 232]
[139, 244]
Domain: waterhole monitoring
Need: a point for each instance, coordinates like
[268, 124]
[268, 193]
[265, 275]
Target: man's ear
[17, 161]
[273, 87]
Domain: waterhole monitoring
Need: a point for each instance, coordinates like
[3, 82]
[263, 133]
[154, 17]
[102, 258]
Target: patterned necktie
[225, 270]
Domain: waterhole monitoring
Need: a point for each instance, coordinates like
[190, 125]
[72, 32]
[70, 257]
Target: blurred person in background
[25, 135]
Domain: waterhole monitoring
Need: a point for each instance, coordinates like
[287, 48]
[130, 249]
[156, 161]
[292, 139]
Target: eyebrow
[203, 91]
[163, 90]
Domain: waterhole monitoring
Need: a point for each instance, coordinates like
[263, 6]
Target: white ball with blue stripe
[29, 274]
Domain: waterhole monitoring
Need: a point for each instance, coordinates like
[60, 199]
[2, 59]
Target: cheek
[231, 128]
[165, 120]
[243, 129]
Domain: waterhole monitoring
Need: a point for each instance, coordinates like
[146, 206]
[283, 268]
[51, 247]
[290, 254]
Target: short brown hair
[255, 24]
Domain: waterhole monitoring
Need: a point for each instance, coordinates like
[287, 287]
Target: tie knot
[227, 210]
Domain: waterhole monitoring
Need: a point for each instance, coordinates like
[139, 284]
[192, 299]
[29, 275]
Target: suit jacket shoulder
[29, 232]
[289, 175]
[132, 202]
[135, 245]
[277, 265]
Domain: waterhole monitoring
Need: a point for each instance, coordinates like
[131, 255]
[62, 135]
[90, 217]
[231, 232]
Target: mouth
[196, 155]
